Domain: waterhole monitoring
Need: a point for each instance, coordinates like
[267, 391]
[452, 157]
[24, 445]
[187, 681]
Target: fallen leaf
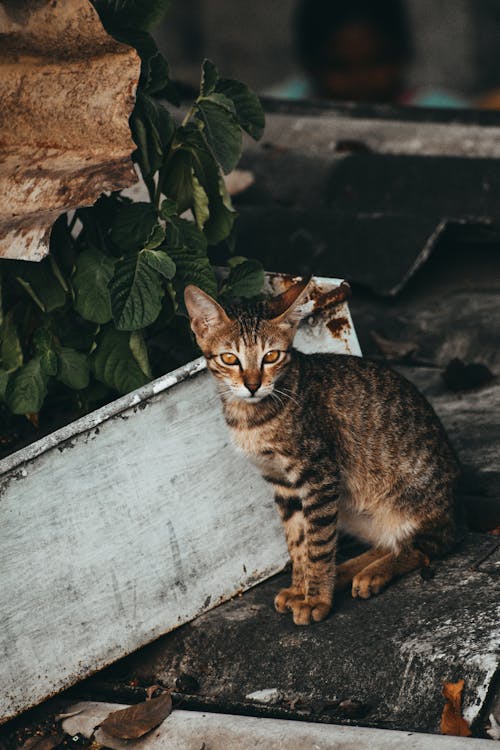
[34, 419]
[495, 531]
[135, 721]
[452, 721]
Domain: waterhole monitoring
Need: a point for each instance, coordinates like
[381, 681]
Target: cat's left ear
[204, 312]
[286, 308]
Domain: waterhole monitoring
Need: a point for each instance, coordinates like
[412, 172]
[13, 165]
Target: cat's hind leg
[346, 571]
[375, 576]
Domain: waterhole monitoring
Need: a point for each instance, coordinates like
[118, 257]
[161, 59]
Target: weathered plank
[191, 730]
[130, 522]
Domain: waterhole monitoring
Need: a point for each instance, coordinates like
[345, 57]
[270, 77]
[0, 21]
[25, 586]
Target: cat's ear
[204, 312]
[286, 308]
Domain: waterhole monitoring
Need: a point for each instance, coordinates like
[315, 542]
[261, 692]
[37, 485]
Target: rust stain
[325, 300]
[336, 326]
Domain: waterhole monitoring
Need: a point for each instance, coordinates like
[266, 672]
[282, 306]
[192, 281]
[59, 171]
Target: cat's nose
[252, 387]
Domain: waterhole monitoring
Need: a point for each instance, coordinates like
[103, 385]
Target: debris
[268, 696]
[459, 376]
[135, 721]
[452, 721]
[393, 349]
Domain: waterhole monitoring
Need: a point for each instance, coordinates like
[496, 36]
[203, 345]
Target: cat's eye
[229, 358]
[271, 357]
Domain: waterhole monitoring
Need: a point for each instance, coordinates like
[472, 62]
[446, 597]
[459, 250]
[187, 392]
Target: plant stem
[188, 116]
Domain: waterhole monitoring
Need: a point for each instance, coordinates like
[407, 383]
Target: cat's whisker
[287, 394]
[278, 399]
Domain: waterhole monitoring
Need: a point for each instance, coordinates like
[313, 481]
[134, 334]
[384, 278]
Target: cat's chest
[260, 446]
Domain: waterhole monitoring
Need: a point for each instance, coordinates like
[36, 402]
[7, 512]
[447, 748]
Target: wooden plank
[129, 523]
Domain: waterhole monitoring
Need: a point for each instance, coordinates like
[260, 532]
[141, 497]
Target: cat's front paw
[305, 610]
[313, 609]
[285, 598]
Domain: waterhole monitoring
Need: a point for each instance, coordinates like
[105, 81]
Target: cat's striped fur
[344, 443]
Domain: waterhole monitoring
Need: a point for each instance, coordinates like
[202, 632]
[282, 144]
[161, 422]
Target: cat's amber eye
[229, 358]
[271, 357]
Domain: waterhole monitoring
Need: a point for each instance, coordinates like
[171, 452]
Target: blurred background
[416, 52]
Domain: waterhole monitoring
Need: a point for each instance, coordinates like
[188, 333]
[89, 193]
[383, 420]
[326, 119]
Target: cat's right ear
[204, 312]
[286, 308]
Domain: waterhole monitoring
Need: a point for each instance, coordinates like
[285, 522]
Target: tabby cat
[344, 442]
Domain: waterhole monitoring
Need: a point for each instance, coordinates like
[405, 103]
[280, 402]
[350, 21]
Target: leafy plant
[101, 315]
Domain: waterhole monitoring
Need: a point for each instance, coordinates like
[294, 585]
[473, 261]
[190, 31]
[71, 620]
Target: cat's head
[247, 349]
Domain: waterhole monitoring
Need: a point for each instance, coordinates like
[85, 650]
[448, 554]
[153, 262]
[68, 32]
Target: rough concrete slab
[189, 730]
[380, 662]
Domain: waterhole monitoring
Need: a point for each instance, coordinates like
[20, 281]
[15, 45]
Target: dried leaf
[135, 721]
[452, 721]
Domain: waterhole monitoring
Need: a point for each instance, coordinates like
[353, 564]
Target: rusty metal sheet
[67, 90]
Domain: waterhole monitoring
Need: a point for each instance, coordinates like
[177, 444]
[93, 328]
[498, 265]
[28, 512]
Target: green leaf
[114, 363]
[11, 352]
[168, 209]
[156, 238]
[152, 130]
[73, 368]
[222, 215]
[209, 78]
[187, 247]
[247, 105]
[133, 226]
[39, 282]
[4, 381]
[200, 202]
[27, 388]
[136, 293]
[183, 233]
[221, 129]
[43, 344]
[245, 279]
[140, 352]
[93, 272]
[177, 181]
[161, 262]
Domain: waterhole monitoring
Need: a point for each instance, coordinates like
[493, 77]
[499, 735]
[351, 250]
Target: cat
[345, 443]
